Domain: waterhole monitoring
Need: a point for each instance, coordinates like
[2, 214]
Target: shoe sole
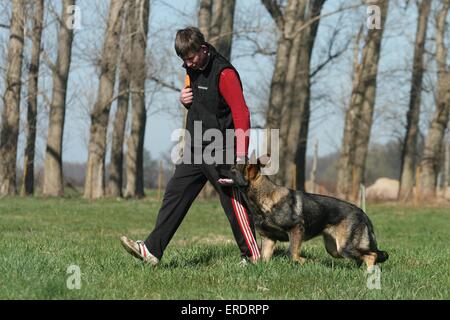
[125, 243]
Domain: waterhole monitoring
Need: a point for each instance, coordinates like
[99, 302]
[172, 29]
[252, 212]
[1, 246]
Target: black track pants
[182, 189]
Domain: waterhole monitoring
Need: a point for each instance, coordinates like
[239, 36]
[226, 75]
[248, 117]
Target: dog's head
[242, 174]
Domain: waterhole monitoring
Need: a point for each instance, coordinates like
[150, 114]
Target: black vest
[208, 106]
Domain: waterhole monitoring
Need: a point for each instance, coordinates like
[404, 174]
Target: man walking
[214, 100]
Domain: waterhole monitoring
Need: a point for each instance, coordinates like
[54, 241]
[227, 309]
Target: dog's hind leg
[268, 246]
[295, 243]
[330, 245]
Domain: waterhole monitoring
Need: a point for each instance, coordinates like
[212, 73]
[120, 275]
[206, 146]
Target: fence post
[294, 176]
[418, 177]
[362, 197]
[314, 166]
[447, 165]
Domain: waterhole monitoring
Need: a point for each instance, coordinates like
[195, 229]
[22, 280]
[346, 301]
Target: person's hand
[186, 96]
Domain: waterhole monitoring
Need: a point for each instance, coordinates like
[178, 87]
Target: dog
[282, 214]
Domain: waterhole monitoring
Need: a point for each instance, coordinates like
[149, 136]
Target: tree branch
[49, 63]
[274, 9]
[161, 82]
[311, 21]
[332, 56]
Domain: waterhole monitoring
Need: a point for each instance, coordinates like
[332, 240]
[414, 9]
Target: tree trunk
[368, 106]
[298, 120]
[53, 174]
[135, 143]
[28, 174]
[221, 30]
[118, 134]
[363, 99]
[95, 176]
[204, 17]
[215, 20]
[286, 26]
[11, 111]
[434, 140]
[344, 176]
[290, 88]
[409, 152]
[284, 175]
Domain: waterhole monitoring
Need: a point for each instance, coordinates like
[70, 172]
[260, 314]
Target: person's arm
[231, 90]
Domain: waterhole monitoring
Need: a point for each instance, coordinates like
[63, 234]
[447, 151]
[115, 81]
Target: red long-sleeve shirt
[231, 90]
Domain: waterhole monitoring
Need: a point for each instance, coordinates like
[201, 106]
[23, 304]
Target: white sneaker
[139, 250]
[244, 262]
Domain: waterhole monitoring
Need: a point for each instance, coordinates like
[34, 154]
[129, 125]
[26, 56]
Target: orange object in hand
[187, 82]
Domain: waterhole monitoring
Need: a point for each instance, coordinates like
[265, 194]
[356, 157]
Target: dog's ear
[252, 171]
[252, 158]
[264, 160]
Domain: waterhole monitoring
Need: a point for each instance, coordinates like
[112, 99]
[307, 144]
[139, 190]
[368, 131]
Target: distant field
[40, 238]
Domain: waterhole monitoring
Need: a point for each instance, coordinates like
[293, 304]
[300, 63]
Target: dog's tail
[382, 256]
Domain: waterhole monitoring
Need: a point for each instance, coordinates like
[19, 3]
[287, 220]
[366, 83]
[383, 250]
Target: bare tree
[53, 169]
[33, 69]
[434, 141]
[286, 24]
[359, 116]
[296, 113]
[409, 152]
[204, 17]
[215, 20]
[290, 87]
[135, 142]
[95, 176]
[11, 111]
[118, 134]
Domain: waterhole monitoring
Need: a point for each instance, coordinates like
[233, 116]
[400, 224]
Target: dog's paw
[300, 260]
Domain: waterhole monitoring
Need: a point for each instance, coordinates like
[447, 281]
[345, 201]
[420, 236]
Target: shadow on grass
[326, 261]
[195, 257]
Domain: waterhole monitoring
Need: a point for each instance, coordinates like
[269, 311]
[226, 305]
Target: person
[214, 98]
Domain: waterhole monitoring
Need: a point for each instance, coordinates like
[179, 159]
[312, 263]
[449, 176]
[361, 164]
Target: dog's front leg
[295, 243]
[268, 246]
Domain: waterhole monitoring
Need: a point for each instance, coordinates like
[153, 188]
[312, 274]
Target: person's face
[197, 59]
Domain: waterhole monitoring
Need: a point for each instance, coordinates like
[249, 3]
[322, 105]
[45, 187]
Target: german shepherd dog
[283, 214]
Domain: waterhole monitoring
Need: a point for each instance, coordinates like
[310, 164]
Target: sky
[330, 91]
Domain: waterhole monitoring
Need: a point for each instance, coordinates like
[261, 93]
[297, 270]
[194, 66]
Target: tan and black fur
[283, 214]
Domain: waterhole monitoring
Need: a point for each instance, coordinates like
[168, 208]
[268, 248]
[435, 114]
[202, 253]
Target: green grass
[40, 238]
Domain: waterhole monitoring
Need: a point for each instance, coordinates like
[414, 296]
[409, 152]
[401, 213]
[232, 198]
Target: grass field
[40, 238]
